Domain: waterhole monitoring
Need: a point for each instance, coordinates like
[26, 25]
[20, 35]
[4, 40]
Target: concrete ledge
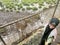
[34, 39]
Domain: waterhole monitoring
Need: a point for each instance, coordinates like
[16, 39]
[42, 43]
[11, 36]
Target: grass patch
[29, 8]
[34, 8]
[11, 3]
[2, 30]
[23, 9]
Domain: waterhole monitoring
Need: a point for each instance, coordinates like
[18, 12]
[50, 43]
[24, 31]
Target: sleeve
[53, 33]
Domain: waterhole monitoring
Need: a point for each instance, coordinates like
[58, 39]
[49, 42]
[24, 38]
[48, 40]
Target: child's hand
[49, 40]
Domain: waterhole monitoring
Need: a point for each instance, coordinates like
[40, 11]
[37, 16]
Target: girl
[50, 32]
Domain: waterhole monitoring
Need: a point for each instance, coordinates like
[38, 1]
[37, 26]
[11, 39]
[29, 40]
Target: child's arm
[49, 40]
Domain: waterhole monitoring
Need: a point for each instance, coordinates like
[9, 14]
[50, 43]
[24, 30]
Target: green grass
[17, 11]
[11, 3]
[34, 8]
[2, 30]
[38, 1]
[23, 9]
[29, 8]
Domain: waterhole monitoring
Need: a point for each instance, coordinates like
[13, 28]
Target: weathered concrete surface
[6, 17]
[34, 39]
[19, 30]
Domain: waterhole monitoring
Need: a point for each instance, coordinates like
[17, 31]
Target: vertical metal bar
[2, 40]
[55, 8]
